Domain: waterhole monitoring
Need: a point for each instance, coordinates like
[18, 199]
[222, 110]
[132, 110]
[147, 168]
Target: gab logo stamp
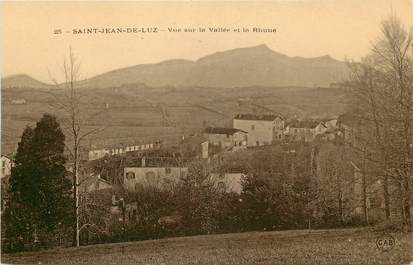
[385, 242]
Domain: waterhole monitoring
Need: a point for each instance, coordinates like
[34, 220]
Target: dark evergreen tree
[18, 215]
[40, 200]
[53, 187]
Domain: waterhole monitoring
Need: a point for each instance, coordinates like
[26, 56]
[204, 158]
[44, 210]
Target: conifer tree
[40, 200]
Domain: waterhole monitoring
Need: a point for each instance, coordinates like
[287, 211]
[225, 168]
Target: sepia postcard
[207, 132]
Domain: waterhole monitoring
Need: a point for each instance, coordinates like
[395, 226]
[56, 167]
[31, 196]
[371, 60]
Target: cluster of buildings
[154, 167]
[149, 164]
[251, 130]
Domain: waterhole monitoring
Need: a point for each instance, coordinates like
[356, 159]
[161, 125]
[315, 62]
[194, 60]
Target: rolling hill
[253, 66]
[22, 81]
[242, 67]
[175, 97]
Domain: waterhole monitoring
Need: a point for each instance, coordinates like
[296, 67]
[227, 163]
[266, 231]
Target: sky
[308, 28]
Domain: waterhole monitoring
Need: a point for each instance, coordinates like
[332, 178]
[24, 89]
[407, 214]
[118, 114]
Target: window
[252, 127]
[150, 177]
[130, 175]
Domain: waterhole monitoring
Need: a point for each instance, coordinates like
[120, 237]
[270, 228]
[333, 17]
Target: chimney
[143, 164]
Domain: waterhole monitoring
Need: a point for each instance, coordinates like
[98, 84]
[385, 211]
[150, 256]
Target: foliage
[39, 203]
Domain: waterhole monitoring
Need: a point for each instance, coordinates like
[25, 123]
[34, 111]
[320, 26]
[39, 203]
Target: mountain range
[242, 67]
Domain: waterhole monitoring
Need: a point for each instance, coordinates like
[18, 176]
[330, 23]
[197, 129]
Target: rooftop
[308, 123]
[220, 130]
[261, 117]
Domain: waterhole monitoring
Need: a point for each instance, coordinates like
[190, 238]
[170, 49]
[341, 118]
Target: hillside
[175, 97]
[242, 67]
[321, 247]
[253, 66]
[22, 81]
[141, 113]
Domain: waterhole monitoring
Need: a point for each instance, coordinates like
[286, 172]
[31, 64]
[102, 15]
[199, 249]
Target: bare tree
[74, 117]
[382, 89]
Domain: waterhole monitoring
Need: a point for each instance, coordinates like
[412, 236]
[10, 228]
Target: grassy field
[135, 113]
[344, 246]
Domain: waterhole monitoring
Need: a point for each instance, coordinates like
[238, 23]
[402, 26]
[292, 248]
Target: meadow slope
[322, 247]
[140, 113]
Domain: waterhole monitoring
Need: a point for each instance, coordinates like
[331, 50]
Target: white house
[136, 177]
[97, 154]
[226, 138]
[261, 129]
[20, 101]
[160, 174]
[6, 164]
[326, 127]
[303, 130]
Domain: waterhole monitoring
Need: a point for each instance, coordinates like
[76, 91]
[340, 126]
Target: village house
[6, 164]
[117, 150]
[302, 130]
[327, 130]
[261, 129]
[350, 127]
[5, 175]
[226, 138]
[321, 128]
[97, 154]
[153, 171]
[20, 101]
[94, 182]
[375, 202]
